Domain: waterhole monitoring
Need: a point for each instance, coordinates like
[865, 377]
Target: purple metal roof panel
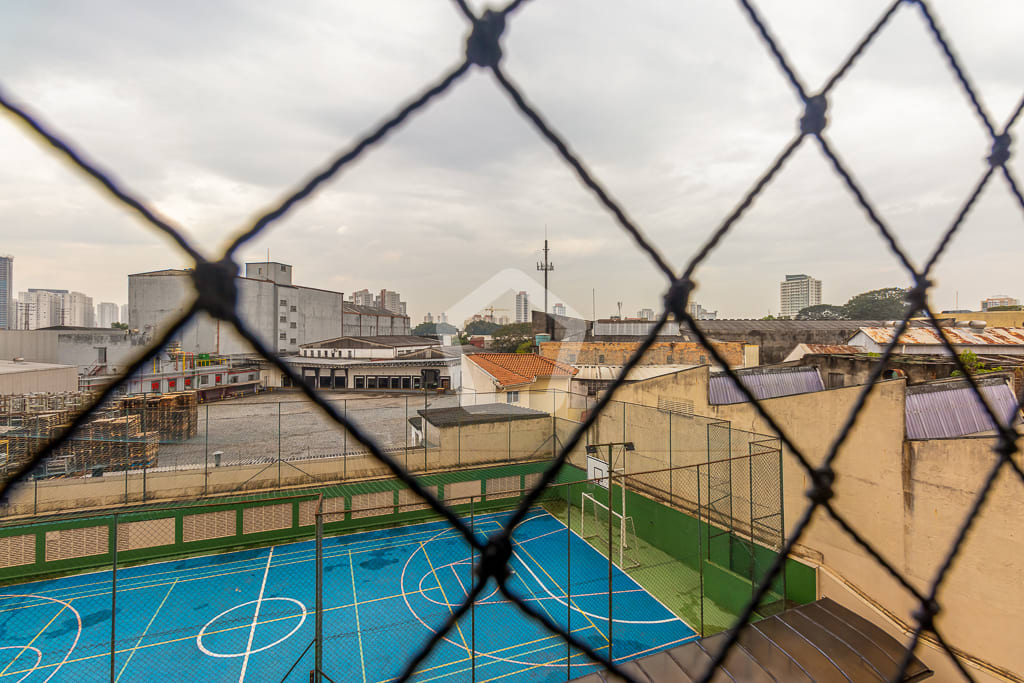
[949, 410]
[765, 383]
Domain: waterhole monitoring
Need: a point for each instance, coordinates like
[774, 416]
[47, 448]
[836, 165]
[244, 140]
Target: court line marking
[302, 613]
[39, 658]
[355, 604]
[188, 578]
[25, 647]
[437, 578]
[256, 616]
[446, 638]
[139, 641]
[495, 661]
[622, 571]
[584, 612]
[74, 644]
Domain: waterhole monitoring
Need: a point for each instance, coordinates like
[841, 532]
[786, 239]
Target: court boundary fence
[216, 295]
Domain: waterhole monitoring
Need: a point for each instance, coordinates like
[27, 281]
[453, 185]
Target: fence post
[700, 551]
[278, 444]
[206, 453]
[344, 446]
[318, 636]
[424, 427]
[472, 606]
[750, 494]
[510, 439]
[113, 600]
[611, 563]
[568, 579]
[671, 474]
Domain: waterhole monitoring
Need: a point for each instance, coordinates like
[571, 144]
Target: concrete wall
[908, 498]
[53, 379]
[660, 353]
[72, 347]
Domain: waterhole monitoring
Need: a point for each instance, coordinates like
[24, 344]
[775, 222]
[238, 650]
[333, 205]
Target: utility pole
[546, 266]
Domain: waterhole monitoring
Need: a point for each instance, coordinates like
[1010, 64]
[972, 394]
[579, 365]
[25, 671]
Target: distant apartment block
[107, 314]
[796, 293]
[558, 309]
[124, 313]
[646, 314]
[283, 315]
[698, 312]
[998, 300]
[363, 297]
[8, 311]
[522, 308]
[40, 308]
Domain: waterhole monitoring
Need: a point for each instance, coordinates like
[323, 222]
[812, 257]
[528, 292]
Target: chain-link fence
[216, 295]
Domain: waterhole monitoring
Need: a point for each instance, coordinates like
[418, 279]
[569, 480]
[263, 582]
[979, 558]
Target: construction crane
[491, 310]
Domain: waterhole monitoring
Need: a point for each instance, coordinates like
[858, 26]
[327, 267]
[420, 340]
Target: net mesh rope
[216, 296]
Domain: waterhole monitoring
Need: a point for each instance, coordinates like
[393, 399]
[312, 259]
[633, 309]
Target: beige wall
[908, 498]
[56, 378]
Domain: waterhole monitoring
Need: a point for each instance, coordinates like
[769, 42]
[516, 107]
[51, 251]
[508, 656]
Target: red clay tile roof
[520, 368]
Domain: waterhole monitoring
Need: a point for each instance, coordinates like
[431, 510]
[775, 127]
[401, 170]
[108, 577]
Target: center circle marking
[202, 631]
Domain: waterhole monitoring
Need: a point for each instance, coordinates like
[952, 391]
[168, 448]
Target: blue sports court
[249, 615]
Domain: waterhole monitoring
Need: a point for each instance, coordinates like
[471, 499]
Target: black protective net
[214, 282]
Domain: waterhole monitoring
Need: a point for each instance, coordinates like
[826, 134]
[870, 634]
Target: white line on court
[78, 634]
[139, 641]
[355, 604]
[256, 616]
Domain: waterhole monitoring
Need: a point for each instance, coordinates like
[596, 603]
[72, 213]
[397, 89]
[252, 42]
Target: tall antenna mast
[546, 266]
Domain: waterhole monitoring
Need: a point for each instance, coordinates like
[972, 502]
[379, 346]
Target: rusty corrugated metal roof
[943, 410]
[960, 336]
[764, 382]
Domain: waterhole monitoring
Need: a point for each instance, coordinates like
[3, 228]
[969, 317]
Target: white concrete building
[23, 377]
[522, 307]
[282, 315]
[797, 292]
[8, 311]
[389, 346]
[998, 300]
[92, 351]
[52, 307]
[106, 314]
[559, 309]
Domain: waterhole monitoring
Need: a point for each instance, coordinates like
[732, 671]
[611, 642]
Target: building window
[252, 375]
[216, 379]
[282, 350]
[172, 385]
[512, 397]
[283, 268]
[284, 335]
[233, 379]
[284, 318]
[703, 360]
[293, 325]
[407, 383]
[415, 382]
[293, 309]
[204, 379]
[292, 340]
[835, 380]
[572, 357]
[283, 302]
[101, 355]
[600, 359]
[360, 382]
[155, 386]
[371, 382]
[188, 381]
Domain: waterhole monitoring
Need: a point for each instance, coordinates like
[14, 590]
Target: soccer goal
[614, 530]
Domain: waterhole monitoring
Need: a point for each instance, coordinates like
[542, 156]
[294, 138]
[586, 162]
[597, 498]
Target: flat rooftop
[10, 367]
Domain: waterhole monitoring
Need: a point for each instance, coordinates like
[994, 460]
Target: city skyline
[450, 188]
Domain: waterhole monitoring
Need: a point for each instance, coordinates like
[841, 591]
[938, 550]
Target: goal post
[601, 472]
[596, 512]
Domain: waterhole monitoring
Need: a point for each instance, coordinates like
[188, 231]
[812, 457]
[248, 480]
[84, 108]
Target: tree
[481, 327]
[433, 329]
[119, 326]
[821, 312]
[508, 338]
[878, 304]
[768, 317]
[973, 365]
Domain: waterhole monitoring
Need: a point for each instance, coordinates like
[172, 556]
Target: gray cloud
[213, 110]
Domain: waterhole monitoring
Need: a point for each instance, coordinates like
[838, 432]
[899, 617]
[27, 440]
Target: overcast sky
[211, 110]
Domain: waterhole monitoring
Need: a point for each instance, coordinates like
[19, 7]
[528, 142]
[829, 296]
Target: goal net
[595, 525]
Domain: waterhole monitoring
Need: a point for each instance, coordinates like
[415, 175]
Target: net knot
[215, 283]
[813, 121]
[494, 559]
[677, 297]
[1000, 150]
[482, 47]
[822, 479]
[926, 613]
[917, 295]
[1007, 444]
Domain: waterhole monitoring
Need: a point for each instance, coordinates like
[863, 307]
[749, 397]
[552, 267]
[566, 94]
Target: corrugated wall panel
[208, 525]
[148, 533]
[16, 551]
[266, 518]
[67, 544]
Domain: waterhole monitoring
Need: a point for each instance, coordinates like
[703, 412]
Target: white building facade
[796, 293]
[522, 308]
[107, 314]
